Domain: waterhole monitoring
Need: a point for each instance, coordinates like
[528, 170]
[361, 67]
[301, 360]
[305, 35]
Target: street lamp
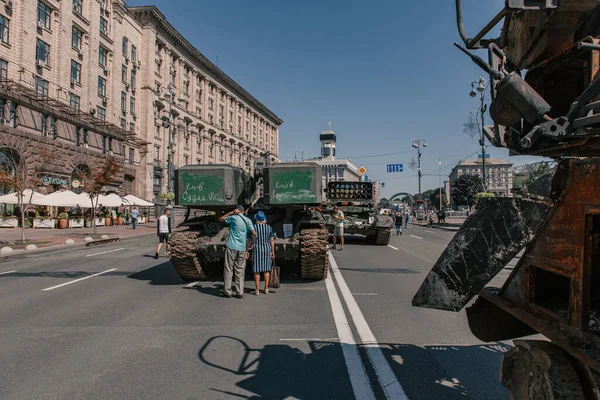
[417, 145]
[170, 98]
[480, 87]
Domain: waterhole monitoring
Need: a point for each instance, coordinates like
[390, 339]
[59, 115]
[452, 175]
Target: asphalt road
[110, 322]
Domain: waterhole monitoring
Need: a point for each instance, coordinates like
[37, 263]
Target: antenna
[303, 155]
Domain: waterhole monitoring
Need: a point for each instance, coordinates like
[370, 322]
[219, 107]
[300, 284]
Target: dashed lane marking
[104, 252]
[417, 237]
[191, 285]
[7, 272]
[79, 280]
[392, 247]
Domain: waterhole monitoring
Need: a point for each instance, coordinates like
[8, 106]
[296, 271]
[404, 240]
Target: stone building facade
[498, 174]
[211, 119]
[89, 78]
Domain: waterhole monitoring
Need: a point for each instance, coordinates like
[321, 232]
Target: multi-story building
[210, 117]
[58, 92]
[91, 78]
[498, 174]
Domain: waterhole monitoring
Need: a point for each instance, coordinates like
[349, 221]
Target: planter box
[99, 221]
[141, 220]
[73, 223]
[11, 222]
[44, 223]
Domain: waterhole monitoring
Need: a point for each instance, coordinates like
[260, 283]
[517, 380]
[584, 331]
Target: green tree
[434, 199]
[483, 195]
[464, 189]
[525, 174]
[94, 182]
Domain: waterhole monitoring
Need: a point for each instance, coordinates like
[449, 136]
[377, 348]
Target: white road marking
[310, 340]
[191, 284]
[79, 280]
[104, 252]
[356, 370]
[365, 294]
[392, 388]
[417, 237]
[7, 272]
[392, 247]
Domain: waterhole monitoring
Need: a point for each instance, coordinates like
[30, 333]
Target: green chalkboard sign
[292, 187]
[200, 189]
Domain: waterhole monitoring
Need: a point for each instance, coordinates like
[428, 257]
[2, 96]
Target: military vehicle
[355, 200]
[208, 191]
[554, 289]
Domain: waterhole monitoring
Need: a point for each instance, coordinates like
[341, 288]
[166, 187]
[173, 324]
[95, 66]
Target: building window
[103, 144]
[221, 111]
[101, 86]
[124, 101]
[131, 155]
[78, 6]
[211, 103]
[77, 136]
[2, 107]
[210, 150]
[101, 113]
[199, 111]
[125, 45]
[43, 52]
[186, 88]
[75, 72]
[102, 56]
[3, 70]
[41, 87]
[186, 160]
[133, 53]
[131, 127]
[44, 124]
[43, 14]
[157, 132]
[123, 124]
[52, 127]
[157, 153]
[110, 146]
[76, 38]
[221, 154]
[157, 63]
[210, 119]
[75, 101]
[3, 29]
[103, 26]
[123, 74]
[199, 96]
[132, 83]
[132, 105]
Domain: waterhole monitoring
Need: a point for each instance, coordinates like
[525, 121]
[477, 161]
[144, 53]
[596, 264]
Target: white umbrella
[12, 198]
[66, 198]
[136, 201]
[111, 200]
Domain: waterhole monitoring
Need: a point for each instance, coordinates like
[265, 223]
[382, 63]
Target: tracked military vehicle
[355, 200]
[208, 191]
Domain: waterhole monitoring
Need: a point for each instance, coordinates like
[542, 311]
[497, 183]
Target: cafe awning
[38, 199]
[136, 201]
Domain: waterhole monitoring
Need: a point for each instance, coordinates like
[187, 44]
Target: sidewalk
[54, 237]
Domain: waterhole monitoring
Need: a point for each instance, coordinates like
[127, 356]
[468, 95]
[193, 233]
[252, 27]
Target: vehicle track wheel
[538, 370]
[184, 257]
[314, 259]
[383, 237]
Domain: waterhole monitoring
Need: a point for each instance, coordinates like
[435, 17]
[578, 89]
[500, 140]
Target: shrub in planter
[88, 223]
[120, 218]
[107, 219]
[63, 220]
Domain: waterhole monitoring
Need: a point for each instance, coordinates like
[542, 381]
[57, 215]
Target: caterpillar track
[314, 259]
[184, 257]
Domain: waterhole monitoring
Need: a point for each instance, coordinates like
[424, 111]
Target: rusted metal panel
[486, 242]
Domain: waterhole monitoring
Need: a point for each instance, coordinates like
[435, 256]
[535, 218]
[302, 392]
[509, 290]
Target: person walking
[235, 249]
[398, 223]
[263, 251]
[134, 216]
[163, 230]
[338, 216]
[406, 218]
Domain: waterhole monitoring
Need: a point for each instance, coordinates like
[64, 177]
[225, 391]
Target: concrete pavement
[110, 322]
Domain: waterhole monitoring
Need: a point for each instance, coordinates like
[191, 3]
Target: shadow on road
[161, 274]
[383, 270]
[61, 274]
[281, 371]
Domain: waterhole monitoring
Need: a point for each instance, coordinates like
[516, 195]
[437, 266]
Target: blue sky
[384, 72]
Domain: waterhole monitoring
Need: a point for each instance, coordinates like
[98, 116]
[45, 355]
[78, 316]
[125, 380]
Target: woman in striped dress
[263, 251]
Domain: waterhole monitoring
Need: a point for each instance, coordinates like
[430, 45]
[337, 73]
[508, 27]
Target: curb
[19, 254]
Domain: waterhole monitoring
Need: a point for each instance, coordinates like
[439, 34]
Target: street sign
[395, 168]
[362, 170]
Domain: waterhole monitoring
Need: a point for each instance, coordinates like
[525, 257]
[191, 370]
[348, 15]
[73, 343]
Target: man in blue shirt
[235, 251]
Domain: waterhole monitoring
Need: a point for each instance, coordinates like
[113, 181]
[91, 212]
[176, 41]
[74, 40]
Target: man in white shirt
[163, 230]
[134, 216]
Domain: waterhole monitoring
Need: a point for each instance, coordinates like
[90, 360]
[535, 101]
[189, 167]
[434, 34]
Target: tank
[293, 193]
[207, 191]
[355, 200]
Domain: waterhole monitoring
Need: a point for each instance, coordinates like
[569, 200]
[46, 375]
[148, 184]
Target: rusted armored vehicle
[554, 289]
[291, 196]
[355, 200]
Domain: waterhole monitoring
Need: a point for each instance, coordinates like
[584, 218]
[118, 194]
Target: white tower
[327, 145]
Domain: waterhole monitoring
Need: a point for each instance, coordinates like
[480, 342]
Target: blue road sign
[395, 168]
